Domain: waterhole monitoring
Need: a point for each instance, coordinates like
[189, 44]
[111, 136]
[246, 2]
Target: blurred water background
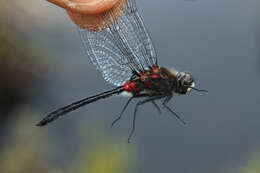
[43, 67]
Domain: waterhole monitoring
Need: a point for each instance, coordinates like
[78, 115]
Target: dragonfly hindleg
[122, 112]
[150, 99]
[157, 107]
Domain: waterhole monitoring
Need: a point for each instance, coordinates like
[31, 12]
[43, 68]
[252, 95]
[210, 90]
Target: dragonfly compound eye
[188, 80]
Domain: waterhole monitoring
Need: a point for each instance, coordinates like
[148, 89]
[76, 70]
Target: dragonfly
[125, 55]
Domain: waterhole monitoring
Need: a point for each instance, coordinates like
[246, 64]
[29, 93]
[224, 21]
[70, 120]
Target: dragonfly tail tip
[41, 123]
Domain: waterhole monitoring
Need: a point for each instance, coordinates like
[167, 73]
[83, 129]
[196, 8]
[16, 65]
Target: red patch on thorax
[130, 86]
[133, 86]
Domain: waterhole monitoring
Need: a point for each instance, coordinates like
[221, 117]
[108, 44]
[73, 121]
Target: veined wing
[106, 56]
[123, 48]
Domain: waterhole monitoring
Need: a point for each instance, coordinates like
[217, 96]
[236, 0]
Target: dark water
[218, 42]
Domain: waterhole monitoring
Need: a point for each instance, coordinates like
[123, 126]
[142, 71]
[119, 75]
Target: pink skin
[85, 6]
[88, 14]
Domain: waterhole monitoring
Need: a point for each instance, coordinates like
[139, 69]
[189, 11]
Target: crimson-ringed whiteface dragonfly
[125, 56]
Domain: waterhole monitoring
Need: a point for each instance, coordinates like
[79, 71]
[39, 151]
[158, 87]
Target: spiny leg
[157, 107]
[136, 107]
[122, 112]
[168, 98]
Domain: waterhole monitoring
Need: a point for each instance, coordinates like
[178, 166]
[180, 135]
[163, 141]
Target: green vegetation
[253, 165]
[29, 150]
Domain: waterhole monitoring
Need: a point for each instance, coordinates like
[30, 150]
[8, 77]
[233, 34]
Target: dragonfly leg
[168, 98]
[122, 112]
[150, 99]
[157, 107]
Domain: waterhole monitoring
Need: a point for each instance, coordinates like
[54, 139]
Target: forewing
[123, 48]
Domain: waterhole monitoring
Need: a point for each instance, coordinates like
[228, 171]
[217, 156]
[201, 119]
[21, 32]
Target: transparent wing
[123, 48]
[106, 56]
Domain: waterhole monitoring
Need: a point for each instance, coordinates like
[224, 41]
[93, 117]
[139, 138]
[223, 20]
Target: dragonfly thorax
[159, 80]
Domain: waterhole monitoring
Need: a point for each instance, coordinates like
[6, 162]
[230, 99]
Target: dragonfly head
[186, 82]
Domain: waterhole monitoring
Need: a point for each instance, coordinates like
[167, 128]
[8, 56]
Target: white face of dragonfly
[186, 81]
[192, 85]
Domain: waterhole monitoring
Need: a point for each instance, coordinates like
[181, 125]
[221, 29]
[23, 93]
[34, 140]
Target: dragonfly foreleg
[168, 98]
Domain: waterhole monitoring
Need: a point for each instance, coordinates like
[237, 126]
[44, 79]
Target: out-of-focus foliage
[106, 159]
[26, 14]
[253, 165]
[21, 63]
[19, 60]
[104, 155]
[23, 151]
[28, 150]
